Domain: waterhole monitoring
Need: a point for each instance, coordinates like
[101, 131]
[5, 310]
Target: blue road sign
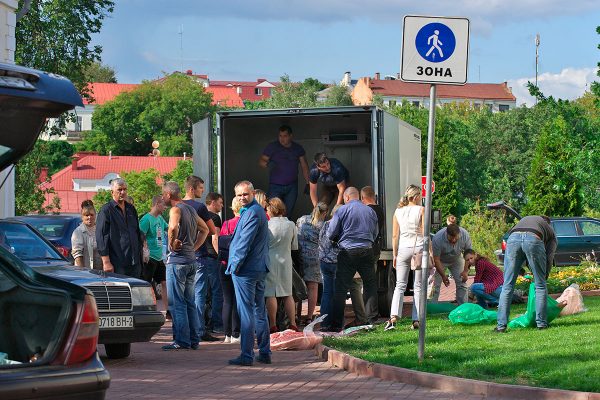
[435, 42]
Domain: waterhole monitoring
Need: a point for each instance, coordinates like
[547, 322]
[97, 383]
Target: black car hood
[83, 276]
[27, 98]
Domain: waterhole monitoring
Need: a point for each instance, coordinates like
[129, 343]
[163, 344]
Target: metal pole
[427, 224]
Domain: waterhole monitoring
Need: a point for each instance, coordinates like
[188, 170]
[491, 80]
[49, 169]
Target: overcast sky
[246, 40]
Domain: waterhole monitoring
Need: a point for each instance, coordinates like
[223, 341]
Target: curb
[442, 382]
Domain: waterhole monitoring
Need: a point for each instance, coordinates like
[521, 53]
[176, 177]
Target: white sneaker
[227, 339]
[235, 339]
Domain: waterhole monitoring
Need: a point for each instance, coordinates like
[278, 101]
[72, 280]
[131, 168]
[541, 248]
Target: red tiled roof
[240, 83]
[225, 96]
[96, 167]
[103, 92]
[484, 91]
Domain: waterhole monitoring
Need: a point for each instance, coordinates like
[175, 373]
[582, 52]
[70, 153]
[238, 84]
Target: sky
[250, 39]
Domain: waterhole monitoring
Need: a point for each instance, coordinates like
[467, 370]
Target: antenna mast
[181, 46]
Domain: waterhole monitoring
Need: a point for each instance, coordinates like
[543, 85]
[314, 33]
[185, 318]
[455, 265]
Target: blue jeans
[328, 273]
[484, 298]
[180, 286]
[212, 270]
[287, 193]
[201, 283]
[523, 246]
[250, 294]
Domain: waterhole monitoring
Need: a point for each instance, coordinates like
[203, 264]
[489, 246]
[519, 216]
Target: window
[258, 91]
[477, 106]
[590, 227]
[78, 124]
[238, 90]
[503, 107]
[392, 103]
[490, 107]
[564, 228]
[416, 103]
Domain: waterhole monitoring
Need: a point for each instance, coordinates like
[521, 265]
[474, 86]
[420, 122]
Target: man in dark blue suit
[248, 266]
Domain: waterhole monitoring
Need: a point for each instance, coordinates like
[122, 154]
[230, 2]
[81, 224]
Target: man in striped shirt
[488, 281]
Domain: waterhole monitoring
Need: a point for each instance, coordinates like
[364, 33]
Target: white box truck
[377, 148]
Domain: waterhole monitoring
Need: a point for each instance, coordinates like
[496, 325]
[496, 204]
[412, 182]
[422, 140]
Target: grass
[565, 356]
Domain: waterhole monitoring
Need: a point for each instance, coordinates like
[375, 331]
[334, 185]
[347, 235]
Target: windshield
[20, 240]
[52, 228]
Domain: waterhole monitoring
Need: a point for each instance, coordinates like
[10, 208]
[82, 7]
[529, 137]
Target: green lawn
[565, 356]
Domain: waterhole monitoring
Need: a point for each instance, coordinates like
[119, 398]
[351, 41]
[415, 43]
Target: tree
[141, 186]
[552, 187]
[55, 154]
[338, 95]
[55, 36]
[97, 72]
[183, 169]
[596, 85]
[295, 95]
[29, 195]
[163, 110]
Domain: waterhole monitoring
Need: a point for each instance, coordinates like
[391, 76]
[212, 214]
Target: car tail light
[503, 245]
[65, 251]
[83, 337]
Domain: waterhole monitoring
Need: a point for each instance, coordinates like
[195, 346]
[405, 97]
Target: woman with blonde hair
[283, 238]
[309, 227]
[83, 239]
[407, 234]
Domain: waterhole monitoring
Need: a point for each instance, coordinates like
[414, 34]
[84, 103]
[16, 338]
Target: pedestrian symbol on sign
[435, 42]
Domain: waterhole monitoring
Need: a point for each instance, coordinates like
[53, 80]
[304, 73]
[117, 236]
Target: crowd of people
[235, 277]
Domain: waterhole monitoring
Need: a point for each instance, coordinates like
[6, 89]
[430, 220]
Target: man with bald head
[354, 227]
[118, 234]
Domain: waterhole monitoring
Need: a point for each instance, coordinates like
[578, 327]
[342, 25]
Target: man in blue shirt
[282, 157]
[333, 176]
[248, 266]
[354, 227]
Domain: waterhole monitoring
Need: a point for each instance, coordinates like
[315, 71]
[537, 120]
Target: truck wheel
[117, 350]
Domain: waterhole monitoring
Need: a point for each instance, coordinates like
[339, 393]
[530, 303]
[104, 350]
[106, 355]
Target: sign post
[435, 50]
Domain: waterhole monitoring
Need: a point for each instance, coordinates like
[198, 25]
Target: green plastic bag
[527, 320]
[440, 307]
[470, 314]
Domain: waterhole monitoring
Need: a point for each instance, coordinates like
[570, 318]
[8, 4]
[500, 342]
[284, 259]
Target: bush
[486, 228]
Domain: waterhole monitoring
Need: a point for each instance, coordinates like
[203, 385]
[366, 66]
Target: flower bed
[586, 275]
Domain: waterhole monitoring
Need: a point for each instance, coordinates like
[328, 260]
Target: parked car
[57, 228]
[578, 237]
[48, 326]
[126, 305]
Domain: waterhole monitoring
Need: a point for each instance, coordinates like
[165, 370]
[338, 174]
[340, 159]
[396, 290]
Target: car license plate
[125, 321]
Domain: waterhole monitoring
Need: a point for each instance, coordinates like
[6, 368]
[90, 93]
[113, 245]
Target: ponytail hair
[412, 192]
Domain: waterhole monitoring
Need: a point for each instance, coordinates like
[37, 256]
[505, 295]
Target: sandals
[389, 325]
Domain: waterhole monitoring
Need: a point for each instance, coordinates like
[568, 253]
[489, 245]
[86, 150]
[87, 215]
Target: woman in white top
[407, 240]
[283, 238]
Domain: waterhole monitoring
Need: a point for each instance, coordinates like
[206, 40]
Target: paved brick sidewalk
[150, 373]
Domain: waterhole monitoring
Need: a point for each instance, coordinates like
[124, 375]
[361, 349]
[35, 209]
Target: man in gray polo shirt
[448, 247]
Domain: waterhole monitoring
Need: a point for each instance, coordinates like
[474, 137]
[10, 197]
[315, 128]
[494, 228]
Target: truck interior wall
[245, 138]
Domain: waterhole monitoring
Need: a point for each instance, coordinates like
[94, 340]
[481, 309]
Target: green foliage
[293, 95]
[595, 88]
[97, 72]
[486, 229]
[552, 187]
[183, 169]
[338, 95]
[142, 186]
[55, 154]
[102, 197]
[164, 109]
[29, 196]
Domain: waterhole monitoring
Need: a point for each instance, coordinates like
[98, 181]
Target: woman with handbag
[407, 248]
[231, 318]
